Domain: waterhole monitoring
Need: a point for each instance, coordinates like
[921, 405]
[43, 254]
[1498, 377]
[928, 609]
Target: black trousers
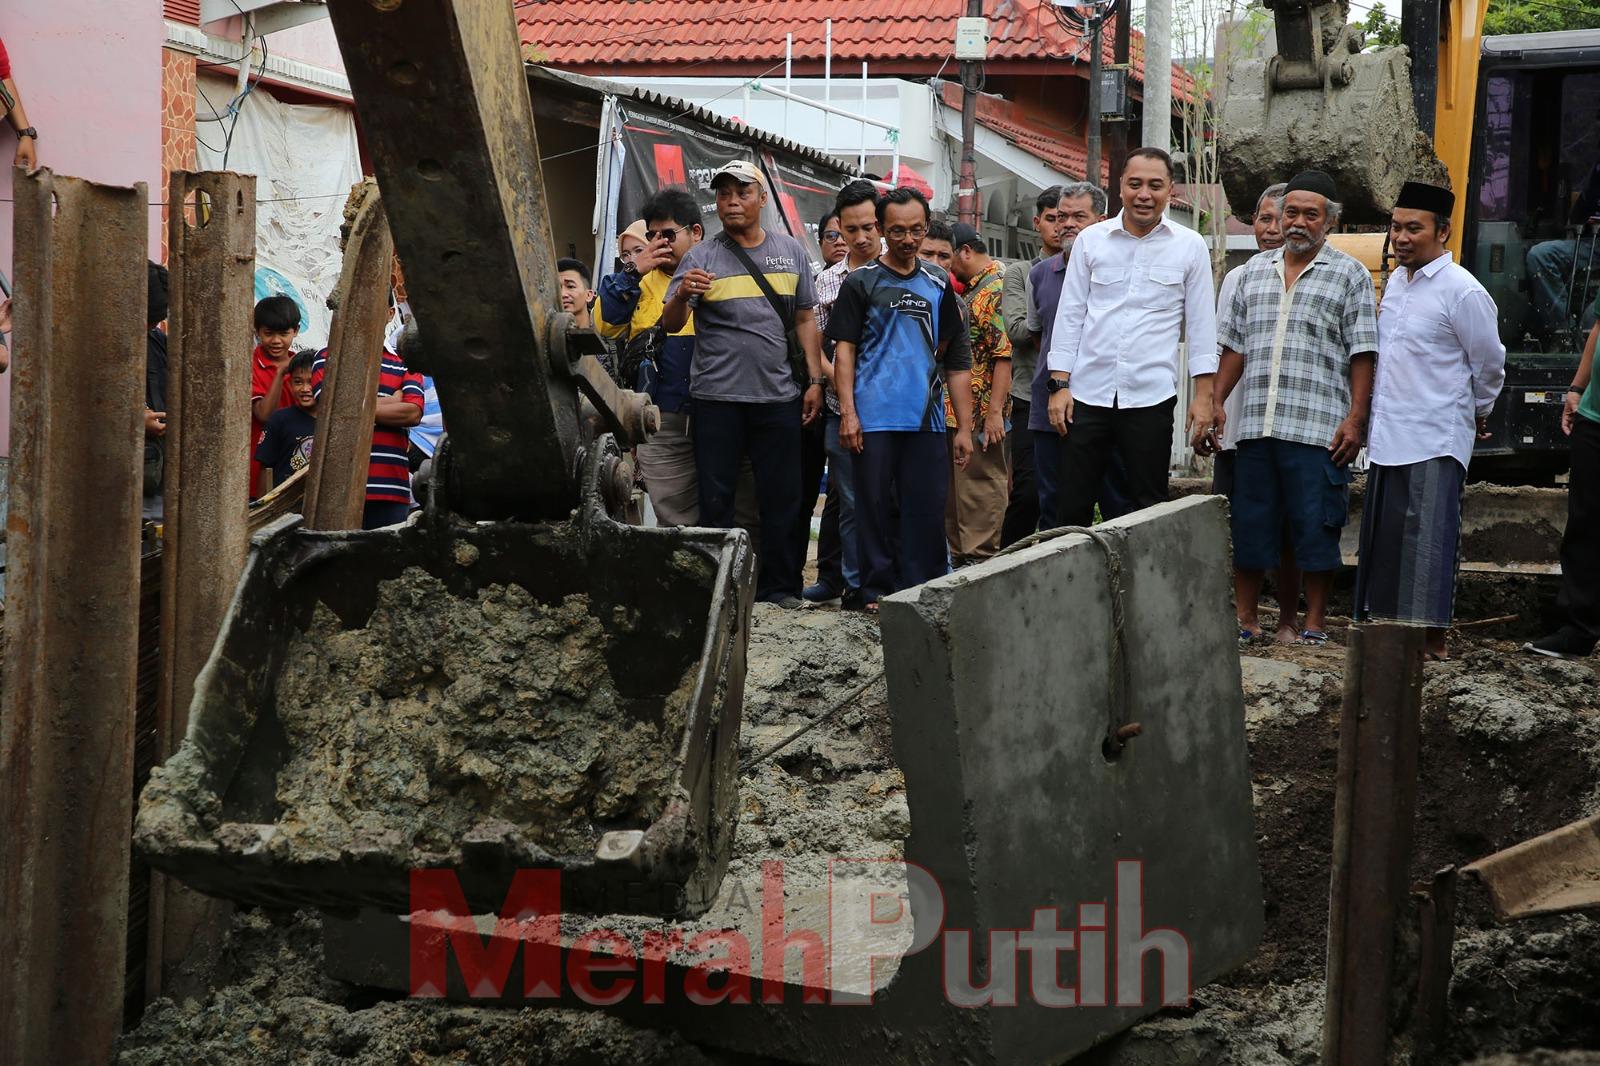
[830, 542]
[1022, 509]
[902, 481]
[1579, 597]
[1140, 436]
[769, 433]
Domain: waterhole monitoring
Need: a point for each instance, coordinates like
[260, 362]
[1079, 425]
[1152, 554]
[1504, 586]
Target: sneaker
[788, 603]
[820, 594]
[1564, 643]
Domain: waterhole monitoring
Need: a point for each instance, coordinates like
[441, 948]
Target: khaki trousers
[976, 509]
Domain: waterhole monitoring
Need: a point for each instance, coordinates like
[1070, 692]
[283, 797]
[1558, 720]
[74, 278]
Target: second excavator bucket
[1323, 104]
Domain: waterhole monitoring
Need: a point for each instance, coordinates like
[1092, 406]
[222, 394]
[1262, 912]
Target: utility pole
[1158, 74]
[1096, 63]
[971, 76]
[1117, 143]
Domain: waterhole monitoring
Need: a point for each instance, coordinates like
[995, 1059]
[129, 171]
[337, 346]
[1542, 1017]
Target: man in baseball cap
[741, 170]
[751, 292]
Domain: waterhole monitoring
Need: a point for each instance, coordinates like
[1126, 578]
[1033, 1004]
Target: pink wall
[89, 72]
[310, 42]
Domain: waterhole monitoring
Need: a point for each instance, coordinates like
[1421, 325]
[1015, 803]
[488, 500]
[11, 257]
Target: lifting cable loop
[1118, 728]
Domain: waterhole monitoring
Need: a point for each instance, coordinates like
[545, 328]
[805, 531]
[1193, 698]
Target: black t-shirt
[286, 443]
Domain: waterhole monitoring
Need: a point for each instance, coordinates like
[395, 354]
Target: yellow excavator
[1511, 123]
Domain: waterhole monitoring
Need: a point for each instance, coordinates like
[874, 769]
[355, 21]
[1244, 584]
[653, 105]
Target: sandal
[1315, 638]
[871, 608]
[1247, 638]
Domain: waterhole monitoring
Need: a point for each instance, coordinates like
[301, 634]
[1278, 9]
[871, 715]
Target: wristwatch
[1057, 385]
[1574, 388]
[29, 132]
[819, 381]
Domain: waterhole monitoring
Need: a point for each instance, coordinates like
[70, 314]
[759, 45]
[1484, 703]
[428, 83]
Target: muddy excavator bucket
[1323, 104]
[519, 679]
[481, 698]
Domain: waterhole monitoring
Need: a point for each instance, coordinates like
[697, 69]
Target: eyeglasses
[832, 235]
[900, 233]
[668, 235]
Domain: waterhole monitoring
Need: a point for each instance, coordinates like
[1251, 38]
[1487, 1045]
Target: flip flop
[1314, 638]
[1247, 638]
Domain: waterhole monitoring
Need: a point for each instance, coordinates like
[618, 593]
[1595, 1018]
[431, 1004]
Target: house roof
[748, 36]
[1063, 152]
[599, 87]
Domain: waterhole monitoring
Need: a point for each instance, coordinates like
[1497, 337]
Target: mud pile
[1511, 748]
[279, 1009]
[444, 712]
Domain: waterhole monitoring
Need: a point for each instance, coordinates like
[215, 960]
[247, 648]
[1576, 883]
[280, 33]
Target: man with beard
[1440, 368]
[1081, 206]
[1286, 579]
[1299, 337]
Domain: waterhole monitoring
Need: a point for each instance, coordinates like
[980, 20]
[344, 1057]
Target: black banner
[664, 149]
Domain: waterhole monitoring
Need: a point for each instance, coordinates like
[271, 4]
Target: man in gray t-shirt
[741, 347]
[744, 396]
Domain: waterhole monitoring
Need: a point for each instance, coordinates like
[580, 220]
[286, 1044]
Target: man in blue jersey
[897, 332]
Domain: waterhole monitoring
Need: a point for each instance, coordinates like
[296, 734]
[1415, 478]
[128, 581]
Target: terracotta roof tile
[584, 35]
[1064, 152]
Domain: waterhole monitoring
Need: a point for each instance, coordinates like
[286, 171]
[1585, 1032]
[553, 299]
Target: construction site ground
[1511, 748]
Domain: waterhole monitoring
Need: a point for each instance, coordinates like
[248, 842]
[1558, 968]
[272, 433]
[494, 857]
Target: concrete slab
[998, 686]
[998, 680]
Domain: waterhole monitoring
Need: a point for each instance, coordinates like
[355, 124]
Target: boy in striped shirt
[400, 398]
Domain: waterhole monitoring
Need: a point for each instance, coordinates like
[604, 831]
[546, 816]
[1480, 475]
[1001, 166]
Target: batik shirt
[987, 327]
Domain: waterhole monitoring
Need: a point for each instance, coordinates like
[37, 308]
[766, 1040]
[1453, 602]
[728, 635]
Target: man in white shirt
[1440, 368]
[1134, 284]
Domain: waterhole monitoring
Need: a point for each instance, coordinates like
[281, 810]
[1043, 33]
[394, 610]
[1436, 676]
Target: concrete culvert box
[479, 698]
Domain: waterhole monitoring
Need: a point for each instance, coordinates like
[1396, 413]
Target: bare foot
[1436, 654]
[1286, 634]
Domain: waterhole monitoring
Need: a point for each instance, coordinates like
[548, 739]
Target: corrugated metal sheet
[679, 107]
[182, 11]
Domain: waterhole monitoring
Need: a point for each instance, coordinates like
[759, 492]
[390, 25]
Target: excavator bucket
[518, 680]
[481, 698]
[1322, 104]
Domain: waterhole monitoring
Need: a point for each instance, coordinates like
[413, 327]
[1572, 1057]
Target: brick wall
[177, 123]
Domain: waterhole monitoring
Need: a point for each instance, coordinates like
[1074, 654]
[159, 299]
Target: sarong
[1410, 542]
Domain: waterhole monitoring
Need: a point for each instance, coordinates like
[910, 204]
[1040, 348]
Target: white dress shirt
[1440, 364]
[1233, 406]
[1125, 302]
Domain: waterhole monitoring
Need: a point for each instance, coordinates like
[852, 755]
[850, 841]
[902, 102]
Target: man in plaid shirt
[1300, 337]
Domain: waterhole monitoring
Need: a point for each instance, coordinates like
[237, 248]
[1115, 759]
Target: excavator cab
[1531, 233]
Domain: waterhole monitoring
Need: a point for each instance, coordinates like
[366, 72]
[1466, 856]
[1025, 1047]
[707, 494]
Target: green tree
[1540, 16]
[1380, 29]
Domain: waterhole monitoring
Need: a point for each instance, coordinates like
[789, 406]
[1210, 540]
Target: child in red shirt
[277, 323]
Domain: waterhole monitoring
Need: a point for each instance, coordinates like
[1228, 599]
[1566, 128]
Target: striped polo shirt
[389, 473]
